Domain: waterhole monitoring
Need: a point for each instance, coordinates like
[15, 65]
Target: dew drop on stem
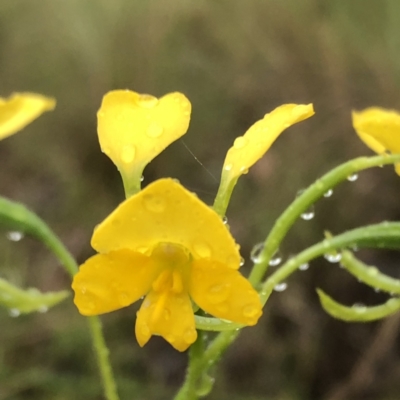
[280, 287]
[276, 259]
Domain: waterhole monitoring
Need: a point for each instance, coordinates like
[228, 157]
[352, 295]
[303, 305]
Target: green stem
[305, 200]
[368, 236]
[17, 216]
[223, 196]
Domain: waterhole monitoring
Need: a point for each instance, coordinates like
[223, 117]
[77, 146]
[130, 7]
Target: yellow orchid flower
[379, 129]
[250, 147]
[167, 245]
[20, 109]
[134, 128]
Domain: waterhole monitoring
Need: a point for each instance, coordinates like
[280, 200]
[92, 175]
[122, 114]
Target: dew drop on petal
[240, 142]
[202, 249]
[360, 307]
[15, 236]
[250, 311]
[123, 299]
[147, 101]
[142, 178]
[225, 220]
[128, 153]
[14, 312]
[154, 130]
[308, 214]
[228, 167]
[241, 262]
[276, 259]
[328, 193]
[154, 203]
[217, 293]
[190, 335]
[256, 254]
[352, 177]
[280, 287]
[333, 257]
[244, 170]
[304, 267]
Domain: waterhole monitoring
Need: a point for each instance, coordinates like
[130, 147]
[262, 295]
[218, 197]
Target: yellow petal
[224, 293]
[169, 315]
[134, 128]
[248, 149]
[166, 212]
[378, 128]
[109, 282]
[20, 109]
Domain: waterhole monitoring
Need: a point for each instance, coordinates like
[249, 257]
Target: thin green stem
[223, 196]
[305, 200]
[102, 356]
[17, 216]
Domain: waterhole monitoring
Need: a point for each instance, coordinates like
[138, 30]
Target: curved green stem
[17, 216]
[305, 200]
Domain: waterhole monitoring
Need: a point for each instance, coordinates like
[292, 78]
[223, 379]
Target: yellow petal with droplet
[378, 128]
[169, 315]
[134, 128]
[248, 149]
[165, 212]
[20, 109]
[224, 293]
[108, 282]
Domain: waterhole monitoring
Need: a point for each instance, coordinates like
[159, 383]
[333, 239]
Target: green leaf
[20, 301]
[369, 275]
[17, 217]
[358, 313]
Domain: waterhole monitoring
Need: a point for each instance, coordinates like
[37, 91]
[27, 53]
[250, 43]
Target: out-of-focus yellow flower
[168, 245]
[134, 128]
[250, 147]
[379, 129]
[20, 109]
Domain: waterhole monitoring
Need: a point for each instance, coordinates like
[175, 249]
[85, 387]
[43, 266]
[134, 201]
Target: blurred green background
[235, 61]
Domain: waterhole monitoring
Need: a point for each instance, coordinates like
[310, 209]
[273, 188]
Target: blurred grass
[235, 61]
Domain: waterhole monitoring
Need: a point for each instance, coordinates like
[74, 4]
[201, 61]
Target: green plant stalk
[305, 200]
[223, 196]
[278, 232]
[369, 236]
[17, 216]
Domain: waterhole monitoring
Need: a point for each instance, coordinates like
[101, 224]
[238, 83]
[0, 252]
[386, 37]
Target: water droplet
[304, 267]
[155, 130]
[142, 178]
[128, 153]
[106, 150]
[276, 259]
[250, 311]
[241, 262]
[14, 236]
[256, 254]
[225, 220]
[373, 271]
[328, 193]
[352, 177]
[280, 287]
[190, 335]
[14, 312]
[244, 170]
[360, 307]
[377, 290]
[83, 289]
[333, 257]
[240, 142]
[43, 309]
[123, 299]
[154, 203]
[145, 331]
[147, 101]
[308, 214]
[217, 293]
[202, 249]
[228, 167]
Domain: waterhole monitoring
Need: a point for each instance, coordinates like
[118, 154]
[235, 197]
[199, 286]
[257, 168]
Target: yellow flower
[134, 128]
[168, 245]
[20, 109]
[250, 147]
[379, 129]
